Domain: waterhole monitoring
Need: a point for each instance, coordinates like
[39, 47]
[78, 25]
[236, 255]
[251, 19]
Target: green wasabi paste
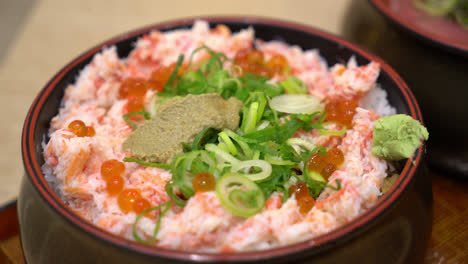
[396, 137]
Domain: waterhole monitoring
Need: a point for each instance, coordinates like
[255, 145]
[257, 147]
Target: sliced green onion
[184, 165]
[241, 141]
[227, 140]
[204, 157]
[176, 199]
[219, 152]
[251, 119]
[262, 125]
[247, 151]
[316, 176]
[223, 146]
[279, 161]
[239, 138]
[236, 81]
[262, 101]
[165, 207]
[203, 137]
[148, 164]
[276, 133]
[333, 133]
[186, 147]
[263, 149]
[296, 104]
[180, 176]
[295, 142]
[292, 85]
[256, 155]
[271, 145]
[145, 114]
[248, 164]
[322, 117]
[275, 113]
[173, 75]
[214, 55]
[320, 150]
[316, 187]
[338, 185]
[290, 182]
[247, 199]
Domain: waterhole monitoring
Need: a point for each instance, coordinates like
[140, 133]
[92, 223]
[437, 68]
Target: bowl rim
[428, 37]
[36, 177]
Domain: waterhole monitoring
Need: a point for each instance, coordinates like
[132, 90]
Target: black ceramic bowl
[395, 230]
[431, 54]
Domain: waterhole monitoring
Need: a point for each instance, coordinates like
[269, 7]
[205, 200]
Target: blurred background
[38, 37]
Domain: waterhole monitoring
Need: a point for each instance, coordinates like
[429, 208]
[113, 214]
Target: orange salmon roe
[334, 156]
[160, 77]
[253, 61]
[135, 104]
[277, 64]
[134, 90]
[127, 198]
[255, 57]
[221, 29]
[300, 190]
[341, 111]
[140, 205]
[328, 171]
[305, 204]
[90, 131]
[203, 182]
[79, 128]
[110, 168]
[316, 163]
[76, 124]
[114, 185]
[259, 69]
[132, 87]
[81, 131]
[326, 165]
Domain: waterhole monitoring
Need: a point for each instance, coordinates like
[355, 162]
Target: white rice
[377, 100]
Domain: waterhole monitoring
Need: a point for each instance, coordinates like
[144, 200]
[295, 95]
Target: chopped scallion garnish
[145, 114]
[326, 132]
[165, 207]
[147, 164]
[261, 156]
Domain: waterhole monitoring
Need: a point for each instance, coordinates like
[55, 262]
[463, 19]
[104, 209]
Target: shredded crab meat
[72, 164]
[361, 175]
[162, 49]
[202, 224]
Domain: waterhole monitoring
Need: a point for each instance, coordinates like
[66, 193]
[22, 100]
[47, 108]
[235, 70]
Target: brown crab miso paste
[179, 120]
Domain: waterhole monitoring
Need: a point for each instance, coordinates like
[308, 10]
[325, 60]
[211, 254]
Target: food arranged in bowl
[204, 140]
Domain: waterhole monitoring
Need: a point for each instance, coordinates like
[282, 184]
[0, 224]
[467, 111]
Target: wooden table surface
[449, 242]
